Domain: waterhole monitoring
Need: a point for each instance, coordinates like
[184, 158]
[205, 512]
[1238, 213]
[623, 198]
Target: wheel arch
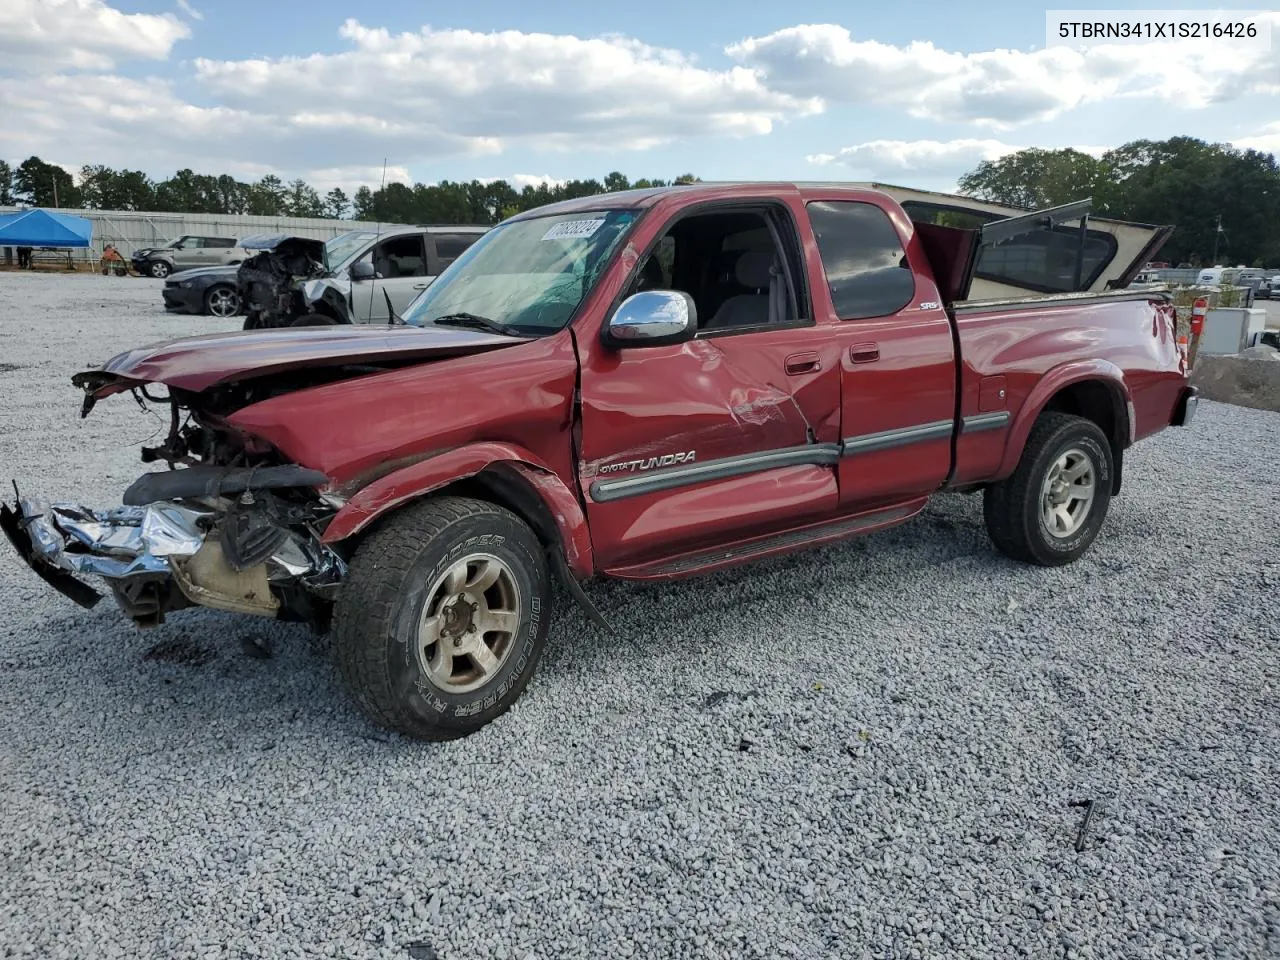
[498, 473]
[1093, 389]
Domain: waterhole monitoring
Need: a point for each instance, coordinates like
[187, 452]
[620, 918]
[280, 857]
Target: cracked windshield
[525, 277]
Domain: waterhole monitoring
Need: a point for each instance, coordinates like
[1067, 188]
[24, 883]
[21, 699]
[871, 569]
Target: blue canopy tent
[40, 228]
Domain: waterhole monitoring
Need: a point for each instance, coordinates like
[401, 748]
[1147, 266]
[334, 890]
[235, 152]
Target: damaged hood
[197, 363]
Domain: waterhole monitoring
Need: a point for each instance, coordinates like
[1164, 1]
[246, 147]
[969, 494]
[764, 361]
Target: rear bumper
[1185, 410]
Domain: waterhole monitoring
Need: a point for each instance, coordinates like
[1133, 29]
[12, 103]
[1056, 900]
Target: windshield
[339, 248]
[527, 276]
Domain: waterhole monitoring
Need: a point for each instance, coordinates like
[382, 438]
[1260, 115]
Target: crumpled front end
[255, 552]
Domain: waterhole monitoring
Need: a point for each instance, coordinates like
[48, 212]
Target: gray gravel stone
[205, 803]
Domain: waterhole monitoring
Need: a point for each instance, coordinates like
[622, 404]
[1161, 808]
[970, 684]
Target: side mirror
[361, 270]
[653, 318]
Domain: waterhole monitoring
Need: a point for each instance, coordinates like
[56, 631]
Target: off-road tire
[159, 269]
[313, 320]
[377, 615]
[1012, 507]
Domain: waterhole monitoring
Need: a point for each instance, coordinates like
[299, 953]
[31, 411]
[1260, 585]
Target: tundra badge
[649, 463]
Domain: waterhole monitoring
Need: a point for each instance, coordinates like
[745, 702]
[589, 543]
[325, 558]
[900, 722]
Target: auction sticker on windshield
[573, 230]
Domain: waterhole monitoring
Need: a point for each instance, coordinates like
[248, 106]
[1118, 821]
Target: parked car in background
[355, 277]
[207, 290]
[1267, 289]
[186, 253]
[641, 385]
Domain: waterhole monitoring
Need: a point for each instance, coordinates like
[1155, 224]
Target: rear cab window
[866, 267]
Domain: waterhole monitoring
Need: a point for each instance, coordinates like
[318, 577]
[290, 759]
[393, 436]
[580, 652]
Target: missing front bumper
[166, 555]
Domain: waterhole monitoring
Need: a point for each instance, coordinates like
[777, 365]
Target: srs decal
[649, 463]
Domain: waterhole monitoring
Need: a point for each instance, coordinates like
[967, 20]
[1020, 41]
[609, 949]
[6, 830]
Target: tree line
[40, 184]
[1182, 181]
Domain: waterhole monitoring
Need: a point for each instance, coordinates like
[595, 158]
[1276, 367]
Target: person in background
[24, 258]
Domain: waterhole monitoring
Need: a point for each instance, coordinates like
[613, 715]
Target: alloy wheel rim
[1066, 496]
[222, 303]
[469, 624]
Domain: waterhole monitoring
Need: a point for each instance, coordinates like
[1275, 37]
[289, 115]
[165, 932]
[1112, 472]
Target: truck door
[731, 435]
[897, 355]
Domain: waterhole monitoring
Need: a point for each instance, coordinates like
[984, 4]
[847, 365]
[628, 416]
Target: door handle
[864, 352]
[803, 363]
[421, 286]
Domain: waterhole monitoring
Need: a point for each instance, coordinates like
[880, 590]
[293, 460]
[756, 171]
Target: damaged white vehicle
[362, 276]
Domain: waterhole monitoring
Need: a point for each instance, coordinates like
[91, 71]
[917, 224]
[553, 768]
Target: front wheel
[159, 269]
[442, 617]
[222, 302]
[1050, 510]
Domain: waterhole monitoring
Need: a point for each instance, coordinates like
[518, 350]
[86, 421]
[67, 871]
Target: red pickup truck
[645, 385]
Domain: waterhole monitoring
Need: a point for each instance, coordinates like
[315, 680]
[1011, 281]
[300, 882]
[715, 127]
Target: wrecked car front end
[270, 282]
[252, 552]
[229, 525]
[232, 523]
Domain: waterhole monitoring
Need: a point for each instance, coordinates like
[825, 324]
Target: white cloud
[410, 97]
[522, 180]
[41, 35]
[547, 91]
[946, 160]
[352, 178]
[925, 157]
[1267, 140]
[189, 10]
[999, 88]
[109, 118]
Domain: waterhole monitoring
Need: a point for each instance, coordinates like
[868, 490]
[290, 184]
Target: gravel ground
[863, 751]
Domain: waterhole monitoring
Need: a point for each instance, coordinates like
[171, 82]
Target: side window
[862, 256]
[220, 242]
[1043, 260]
[450, 247]
[730, 263]
[191, 243]
[401, 257]
[1046, 259]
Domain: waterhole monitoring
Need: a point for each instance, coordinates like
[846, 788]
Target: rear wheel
[442, 617]
[222, 301]
[1050, 510]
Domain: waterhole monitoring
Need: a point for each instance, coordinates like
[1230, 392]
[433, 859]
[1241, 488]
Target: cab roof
[647, 197]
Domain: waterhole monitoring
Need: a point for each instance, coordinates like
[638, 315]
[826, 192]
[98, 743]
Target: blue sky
[907, 92]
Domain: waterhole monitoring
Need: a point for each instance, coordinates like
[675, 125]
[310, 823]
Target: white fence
[129, 230]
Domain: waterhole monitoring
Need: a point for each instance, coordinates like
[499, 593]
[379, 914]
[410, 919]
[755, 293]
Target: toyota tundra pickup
[643, 385]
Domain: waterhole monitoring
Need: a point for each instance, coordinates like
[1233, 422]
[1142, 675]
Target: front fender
[1056, 379]
[416, 480]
